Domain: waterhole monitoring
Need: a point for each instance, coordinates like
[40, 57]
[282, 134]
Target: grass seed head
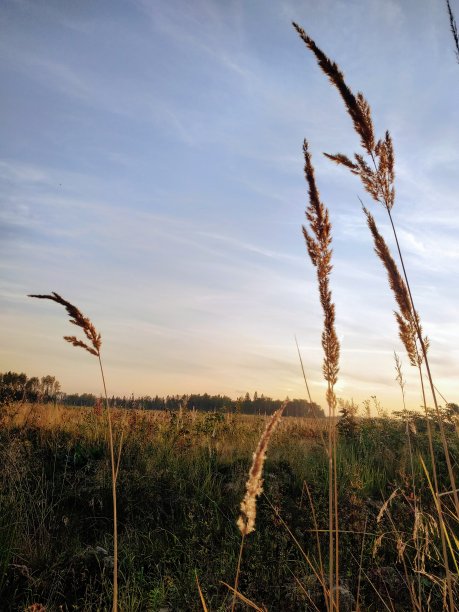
[78, 319]
[357, 107]
[254, 484]
[318, 242]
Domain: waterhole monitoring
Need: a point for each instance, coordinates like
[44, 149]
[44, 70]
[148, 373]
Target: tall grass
[319, 250]
[254, 488]
[375, 168]
[178, 505]
[94, 346]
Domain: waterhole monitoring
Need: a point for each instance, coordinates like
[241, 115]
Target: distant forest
[16, 387]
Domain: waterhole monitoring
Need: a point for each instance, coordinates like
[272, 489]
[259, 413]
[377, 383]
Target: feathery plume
[318, 245]
[78, 319]
[379, 182]
[396, 282]
[357, 107]
[254, 484]
[319, 250]
[408, 320]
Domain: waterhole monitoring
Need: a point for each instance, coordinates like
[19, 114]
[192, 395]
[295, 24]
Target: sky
[151, 173]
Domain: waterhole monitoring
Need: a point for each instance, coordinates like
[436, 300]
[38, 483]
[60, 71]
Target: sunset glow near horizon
[151, 173]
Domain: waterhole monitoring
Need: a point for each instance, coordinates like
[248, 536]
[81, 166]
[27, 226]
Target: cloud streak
[151, 171]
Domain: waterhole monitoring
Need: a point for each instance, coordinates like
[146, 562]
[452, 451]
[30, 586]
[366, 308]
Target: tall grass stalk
[318, 244]
[378, 181]
[405, 320]
[94, 346]
[319, 548]
[254, 488]
[201, 596]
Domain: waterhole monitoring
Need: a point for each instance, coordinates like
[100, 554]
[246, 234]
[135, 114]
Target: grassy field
[181, 480]
[127, 510]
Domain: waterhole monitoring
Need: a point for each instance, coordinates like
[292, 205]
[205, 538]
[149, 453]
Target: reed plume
[318, 244]
[95, 342]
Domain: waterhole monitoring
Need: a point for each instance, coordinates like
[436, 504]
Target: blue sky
[151, 173]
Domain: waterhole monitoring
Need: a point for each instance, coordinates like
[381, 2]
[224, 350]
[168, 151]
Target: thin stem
[335, 493]
[360, 566]
[438, 506]
[401, 382]
[316, 419]
[114, 476]
[330, 507]
[238, 570]
[118, 459]
[429, 375]
[320, 577]
[302, 369]
[319, 550]
[453, 27]
[416, 604]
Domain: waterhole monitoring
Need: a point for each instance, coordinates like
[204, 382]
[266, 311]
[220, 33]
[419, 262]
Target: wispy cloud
[151, 170]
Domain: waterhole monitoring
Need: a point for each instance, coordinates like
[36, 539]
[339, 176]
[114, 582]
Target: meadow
[181, 480]
[103, 508]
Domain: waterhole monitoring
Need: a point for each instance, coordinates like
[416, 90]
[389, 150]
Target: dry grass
[187, 479]
[254, 485]
[375, 168]
[77, 318]
[254, 488]
[320, 253]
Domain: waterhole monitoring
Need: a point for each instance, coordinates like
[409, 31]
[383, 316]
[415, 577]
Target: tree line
[16, 387]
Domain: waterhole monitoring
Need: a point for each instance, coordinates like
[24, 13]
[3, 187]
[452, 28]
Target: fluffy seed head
[254, 484]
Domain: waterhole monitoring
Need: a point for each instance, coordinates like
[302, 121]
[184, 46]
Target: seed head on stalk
[78, 319]
[254, 485]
